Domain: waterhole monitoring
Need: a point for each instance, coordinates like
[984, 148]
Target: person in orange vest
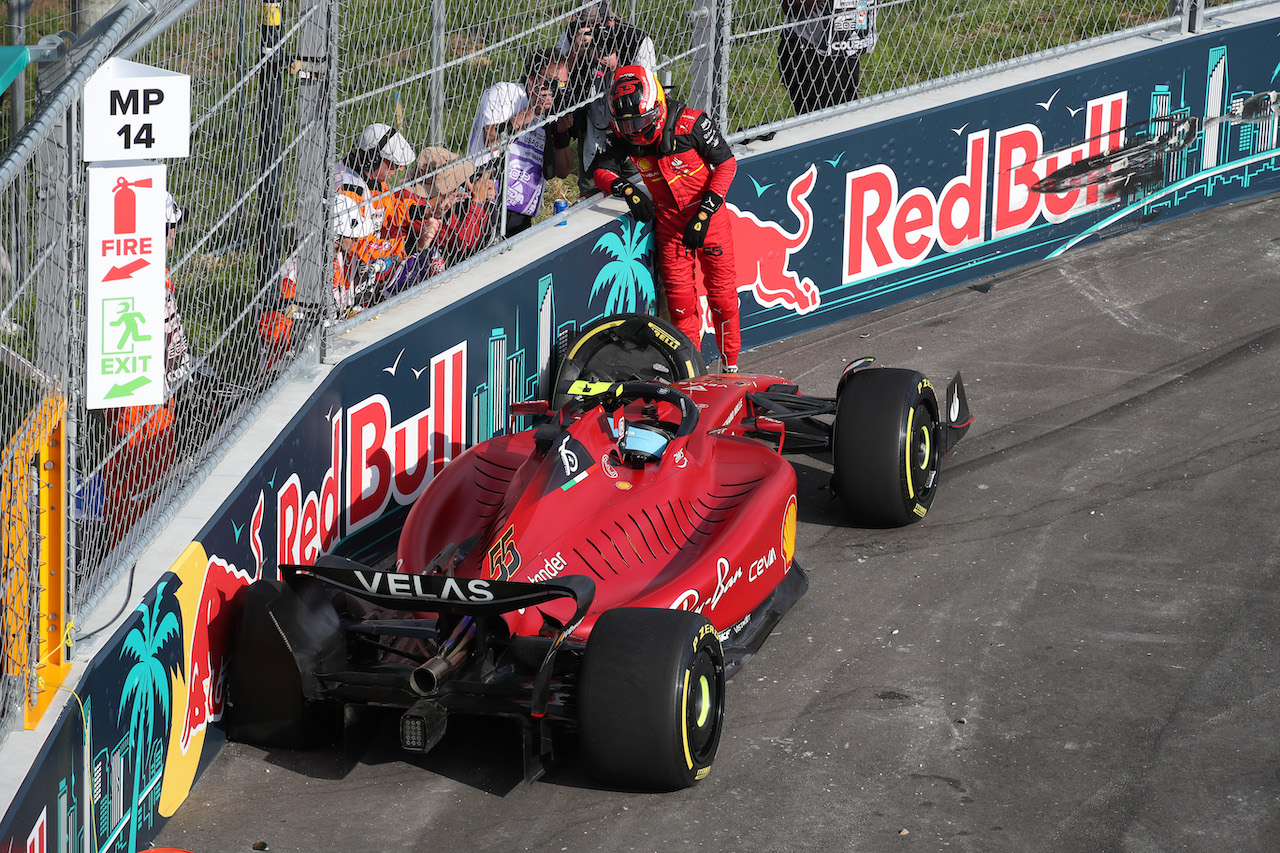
[401, 227]
[379, 152]
[285, 320]
[135, 468]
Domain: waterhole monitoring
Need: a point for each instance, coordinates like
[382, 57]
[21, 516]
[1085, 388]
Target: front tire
[886, 446]
[651, 698]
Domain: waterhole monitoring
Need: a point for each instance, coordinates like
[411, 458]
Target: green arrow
[127, 389]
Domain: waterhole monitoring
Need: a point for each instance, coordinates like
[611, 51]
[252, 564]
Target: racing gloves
[640, 204]
[695, 233]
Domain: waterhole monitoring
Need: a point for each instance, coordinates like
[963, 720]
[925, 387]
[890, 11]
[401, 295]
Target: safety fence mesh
[280, 93]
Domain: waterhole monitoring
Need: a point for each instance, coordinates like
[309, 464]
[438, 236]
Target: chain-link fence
[267, 258]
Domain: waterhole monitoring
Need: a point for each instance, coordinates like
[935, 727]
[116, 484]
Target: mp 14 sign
[136, 112]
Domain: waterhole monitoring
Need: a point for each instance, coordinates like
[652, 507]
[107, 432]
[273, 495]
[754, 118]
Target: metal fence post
[72, 376]
[53, 278]
[314, 249]
[17, 89]
[702, 65]
[436, 96]
[1189, 12]
[270, 130]
[724, 39]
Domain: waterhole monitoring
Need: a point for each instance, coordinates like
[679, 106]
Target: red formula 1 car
[602, 573]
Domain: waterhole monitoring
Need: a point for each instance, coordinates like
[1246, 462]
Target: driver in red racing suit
[687, 166]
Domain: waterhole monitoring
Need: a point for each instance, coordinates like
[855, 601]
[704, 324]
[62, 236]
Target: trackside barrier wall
[835, 225]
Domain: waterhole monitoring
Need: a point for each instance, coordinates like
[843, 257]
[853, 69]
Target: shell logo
[789, 532]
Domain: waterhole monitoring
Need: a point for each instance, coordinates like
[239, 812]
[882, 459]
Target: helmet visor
[637, 125]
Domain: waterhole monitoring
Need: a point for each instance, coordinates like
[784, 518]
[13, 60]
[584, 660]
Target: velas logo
[890, 227]
[762, 252]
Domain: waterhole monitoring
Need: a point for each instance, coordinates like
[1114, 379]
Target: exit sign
[136, 112]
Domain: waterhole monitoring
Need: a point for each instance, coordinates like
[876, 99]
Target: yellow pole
[51, 622]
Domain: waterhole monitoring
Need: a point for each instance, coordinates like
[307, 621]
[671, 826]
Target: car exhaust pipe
[426, 679]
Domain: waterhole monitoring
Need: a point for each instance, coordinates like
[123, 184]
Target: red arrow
[126, 271]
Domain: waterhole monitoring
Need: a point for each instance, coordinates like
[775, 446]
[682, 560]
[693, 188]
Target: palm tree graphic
[146, 689]
[627, 278]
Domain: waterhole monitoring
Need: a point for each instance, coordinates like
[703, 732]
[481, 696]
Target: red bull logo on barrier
[388, 461]
[890, 227]
[384, 461]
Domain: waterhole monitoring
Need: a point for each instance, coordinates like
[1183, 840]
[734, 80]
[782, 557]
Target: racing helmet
[637, 105]
[350, 218]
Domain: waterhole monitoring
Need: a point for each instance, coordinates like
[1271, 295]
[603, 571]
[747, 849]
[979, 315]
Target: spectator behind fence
[820, 50]
[285, 320]
[688, 166]
[595, 44]
[135, 470]
[378, 153]
[391, 252]
[526, 157]
[460, 198]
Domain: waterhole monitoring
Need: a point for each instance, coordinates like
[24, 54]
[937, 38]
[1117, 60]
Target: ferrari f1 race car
[599, 574]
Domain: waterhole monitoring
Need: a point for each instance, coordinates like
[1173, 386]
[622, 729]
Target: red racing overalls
[690, 159]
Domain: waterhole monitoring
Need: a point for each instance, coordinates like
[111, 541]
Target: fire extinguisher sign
[126, 268]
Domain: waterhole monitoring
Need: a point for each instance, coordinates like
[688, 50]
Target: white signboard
[126, 294]
[136, 112]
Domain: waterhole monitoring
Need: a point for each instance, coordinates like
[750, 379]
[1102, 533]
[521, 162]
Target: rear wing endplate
[957, 416]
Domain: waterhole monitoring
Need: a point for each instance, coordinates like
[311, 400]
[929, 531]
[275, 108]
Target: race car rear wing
[442, 593]
[461, 596]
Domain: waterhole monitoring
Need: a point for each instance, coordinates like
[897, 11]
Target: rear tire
[885, 446]
[651, 698]
[627, 348]
[286, 632]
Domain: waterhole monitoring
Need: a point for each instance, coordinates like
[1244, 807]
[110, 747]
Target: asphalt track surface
[1076, 650]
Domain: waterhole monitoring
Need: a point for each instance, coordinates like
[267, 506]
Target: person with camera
[516, 132]
[595, 44]
[820, 50]
[687, 166]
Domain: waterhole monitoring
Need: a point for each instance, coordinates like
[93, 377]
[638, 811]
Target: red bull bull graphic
[763, 251]
[206, 659]
[205, 598]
